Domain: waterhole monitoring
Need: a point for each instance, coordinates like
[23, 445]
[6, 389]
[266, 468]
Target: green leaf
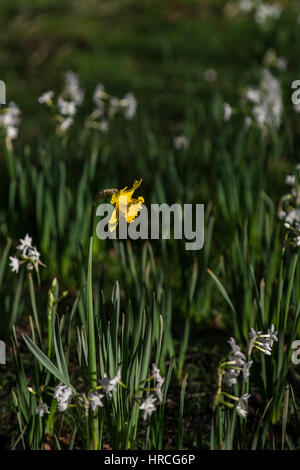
[43, 359]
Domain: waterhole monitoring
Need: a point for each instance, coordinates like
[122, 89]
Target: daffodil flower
[125, 205]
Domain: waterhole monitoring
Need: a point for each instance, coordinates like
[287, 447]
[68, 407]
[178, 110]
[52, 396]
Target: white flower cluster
[71, 98]
[262, 341]
[267, 12]
[63, 395]
[266, 100]
[236, 363]
[10, 121]
[148, 405]
[68, 101]
[263, 12]
[230, 368]
[106, 107]
[26, 254]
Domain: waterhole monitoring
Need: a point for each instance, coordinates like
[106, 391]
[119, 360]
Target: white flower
[266, 12]
[253, 94]
[129, 103]
[65, 124]
[293, 217]
[103, 125]
[268, 101]
[66, 108]
[42, 409]
[95, 400]
[25, 243]
[246, 370]
[290, 180]
[235, 364]
[148, 406]
[33, 254]
[227, 111]
[245, 5]
[11, 115]
[210, 75]
[99, 94]
[263, 341]
[12, 133]
[230, 377]
[63, 395]
[281, 215]
[181, 142]
[14, 264]
[235, 348]
[159, 381]
[72, 88]
[46, 97]
[281, 63]
[62, 406]
[28, 255]
[248, 121]
[242, 404]
[9, 121]
[62, 392]
[109, 385]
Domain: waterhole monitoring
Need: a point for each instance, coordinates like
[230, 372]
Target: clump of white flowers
[67, 103]
[9, 122]
[181, 142]
[236, 364]
[63, 395]
[27, 255]
[267, 12]
[107, 106]
[101, 396]
[266, 101]
[264, 13]
[262, 341]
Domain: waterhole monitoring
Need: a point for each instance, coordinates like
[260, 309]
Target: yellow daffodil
[125, 205]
